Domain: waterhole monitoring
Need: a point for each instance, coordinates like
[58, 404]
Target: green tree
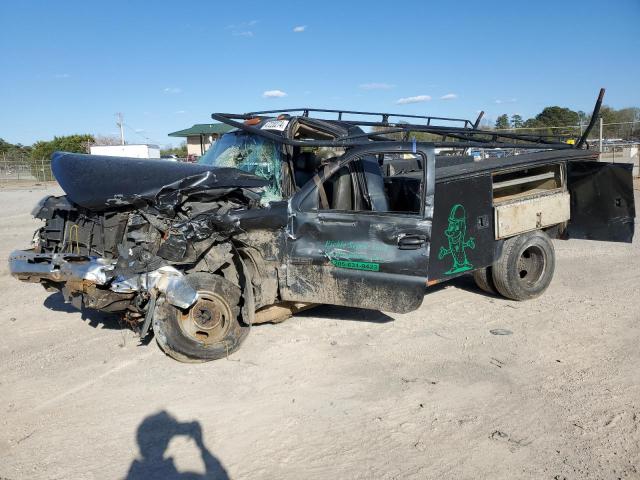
[69, 143]
[531, 123]
[623, 123]
[620, 122]
[180, 151]
[11, 149]
[557, 117]
[516, 121]
[502, 122]
[583, 118]
[41, 152]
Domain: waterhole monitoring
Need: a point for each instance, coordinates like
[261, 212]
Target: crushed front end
[116, 248]
[102, 261]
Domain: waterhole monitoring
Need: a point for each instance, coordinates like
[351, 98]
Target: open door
[349, 243]
[602, 203]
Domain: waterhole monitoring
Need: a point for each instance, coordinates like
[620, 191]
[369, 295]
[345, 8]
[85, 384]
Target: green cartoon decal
[456, 232]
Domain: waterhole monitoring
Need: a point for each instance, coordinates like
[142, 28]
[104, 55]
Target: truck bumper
[78, 271]
[28, 266]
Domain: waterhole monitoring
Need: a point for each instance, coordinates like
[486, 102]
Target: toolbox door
[602, 203]
[463, 237]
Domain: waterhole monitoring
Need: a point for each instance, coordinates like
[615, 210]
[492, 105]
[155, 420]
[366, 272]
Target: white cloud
[274, 94]
[449, 96]
[508, 100]
[416, 99]
[299, 28]
[241, 25]
[62, 75]
[172, 90]
[139, 130]
[376, 86]
[180, 112]
[242, 29]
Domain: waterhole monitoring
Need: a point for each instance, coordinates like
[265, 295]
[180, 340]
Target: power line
[141, 135]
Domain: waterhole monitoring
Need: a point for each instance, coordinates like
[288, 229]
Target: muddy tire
[207, 331]
[525, 268]
[484, 280]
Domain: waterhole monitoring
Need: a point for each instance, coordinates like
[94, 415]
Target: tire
[484, 280]
[525, 268]
[209, 330]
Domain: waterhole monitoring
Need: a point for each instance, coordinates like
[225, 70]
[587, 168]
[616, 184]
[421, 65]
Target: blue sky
[69, 66]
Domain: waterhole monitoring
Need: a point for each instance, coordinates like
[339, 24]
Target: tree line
[623, 123]
[38, 155]
[79, 143]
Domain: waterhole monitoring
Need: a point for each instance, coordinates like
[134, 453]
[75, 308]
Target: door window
[372, 183]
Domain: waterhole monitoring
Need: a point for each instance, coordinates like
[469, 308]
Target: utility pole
[120, 124]
[600, 135]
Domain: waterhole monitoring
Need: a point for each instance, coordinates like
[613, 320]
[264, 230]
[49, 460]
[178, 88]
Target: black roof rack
[384, 120]
[465, 135]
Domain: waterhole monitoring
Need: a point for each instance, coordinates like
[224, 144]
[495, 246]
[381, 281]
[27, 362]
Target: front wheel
[209, 329]
[525, 267]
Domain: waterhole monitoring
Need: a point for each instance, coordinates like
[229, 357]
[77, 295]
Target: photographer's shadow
[153, 436]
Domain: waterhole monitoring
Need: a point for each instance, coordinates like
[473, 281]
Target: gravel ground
[334, 392]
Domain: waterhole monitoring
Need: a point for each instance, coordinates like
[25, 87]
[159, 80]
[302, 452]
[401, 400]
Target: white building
[132, 151]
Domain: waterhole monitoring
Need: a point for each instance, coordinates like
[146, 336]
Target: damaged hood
[100, 182]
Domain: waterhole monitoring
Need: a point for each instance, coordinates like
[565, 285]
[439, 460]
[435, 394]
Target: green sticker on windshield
[456, 232]
[368, 266]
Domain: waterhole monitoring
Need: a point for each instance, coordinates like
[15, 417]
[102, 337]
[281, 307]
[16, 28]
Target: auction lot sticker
[279, 125]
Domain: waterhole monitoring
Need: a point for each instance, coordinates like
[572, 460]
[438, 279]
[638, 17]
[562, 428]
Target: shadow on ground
[95, 318]
[334, 312]
[463, 282]
[153, 436]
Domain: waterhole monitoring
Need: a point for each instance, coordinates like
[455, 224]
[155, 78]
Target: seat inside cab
[362, 186]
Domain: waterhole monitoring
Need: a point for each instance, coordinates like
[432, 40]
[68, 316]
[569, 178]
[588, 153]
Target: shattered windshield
[250, 153]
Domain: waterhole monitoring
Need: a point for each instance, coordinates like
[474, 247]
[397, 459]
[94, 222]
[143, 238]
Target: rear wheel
[209, 329]
[525, 268]
[484, 280]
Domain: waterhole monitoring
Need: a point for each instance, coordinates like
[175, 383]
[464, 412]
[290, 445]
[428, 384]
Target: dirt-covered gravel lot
[334, 392]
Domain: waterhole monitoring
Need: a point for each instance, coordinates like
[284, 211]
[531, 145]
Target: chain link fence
[617, 152]
[20, 168]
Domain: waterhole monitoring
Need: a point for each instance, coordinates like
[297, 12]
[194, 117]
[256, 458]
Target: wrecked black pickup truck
[289, 210]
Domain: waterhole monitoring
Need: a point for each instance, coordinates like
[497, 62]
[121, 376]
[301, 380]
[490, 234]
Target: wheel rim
[531, 266]
[208, 320]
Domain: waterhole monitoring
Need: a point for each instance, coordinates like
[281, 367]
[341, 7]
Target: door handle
[411, 242]
[333, 219]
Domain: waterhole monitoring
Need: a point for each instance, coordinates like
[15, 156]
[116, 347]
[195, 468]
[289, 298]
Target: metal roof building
[200, 136]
